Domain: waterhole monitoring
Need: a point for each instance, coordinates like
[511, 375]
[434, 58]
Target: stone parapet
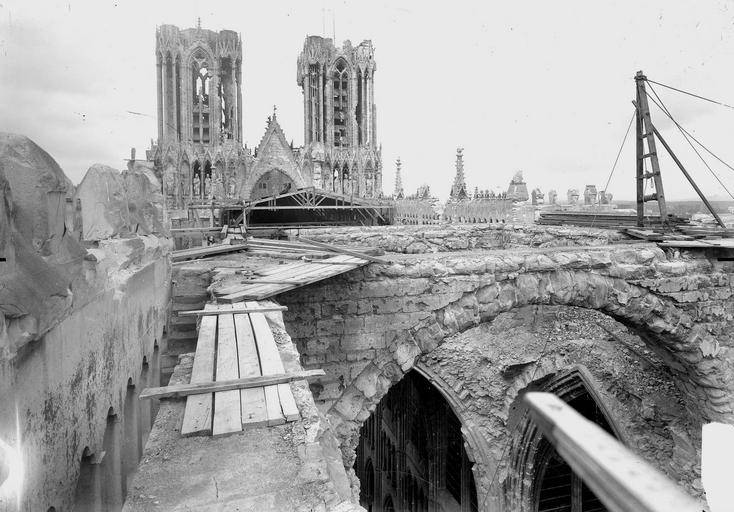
[426, 239]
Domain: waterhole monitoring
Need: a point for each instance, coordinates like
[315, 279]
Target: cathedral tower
[199, 85]
[340, 128]
[199, 153]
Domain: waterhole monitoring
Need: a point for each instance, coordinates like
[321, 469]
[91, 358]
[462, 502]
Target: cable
[691, 94]
[689, 133]
[614, 166]
[662, 107]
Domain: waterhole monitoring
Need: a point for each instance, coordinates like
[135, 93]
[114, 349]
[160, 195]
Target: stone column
[320, 101]
[112, 465]
[329, 117]
[234, 124]
[215, 109]
[373, 111]
[306, 104]
[186, 103]
[176, 99]
[352, 134]
[313, 129]
[164, 97]
[368, 107]
[238, 101]
[159, 80]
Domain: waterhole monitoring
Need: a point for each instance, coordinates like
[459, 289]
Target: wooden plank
[201, 252]
[193, 230]
[258, 280]
[619, 478]
[307, 273]
[270, 364]
[227, 412]
[342, 250]
[252, 401]
[198, 413]
[216, 309]
[246, 291]
[184, 390]
[327, 262]
[288, 402]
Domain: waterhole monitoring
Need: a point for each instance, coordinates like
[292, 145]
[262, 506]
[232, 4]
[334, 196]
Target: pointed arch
[536, 474]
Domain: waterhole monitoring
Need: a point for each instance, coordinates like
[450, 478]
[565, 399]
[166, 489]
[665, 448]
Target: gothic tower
[340, 128]
[199, 153]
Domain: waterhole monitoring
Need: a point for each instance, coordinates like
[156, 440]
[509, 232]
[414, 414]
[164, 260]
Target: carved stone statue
[590, 194]
[197, 186]
[573, 196]
[552, 196]
[208, 187]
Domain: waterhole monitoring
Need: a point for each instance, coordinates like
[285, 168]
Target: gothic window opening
[360, 106]
[315, 98]
[202, 85]
[201, 82]
[367, 489]
[558, 488]
[224, 96]
[415, 431]
[170, 94]
[341, 103]
[177, 93]
[539, 479]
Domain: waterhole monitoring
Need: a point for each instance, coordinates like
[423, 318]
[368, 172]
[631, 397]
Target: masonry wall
[79, 322]
[370, 326]
[57, 393]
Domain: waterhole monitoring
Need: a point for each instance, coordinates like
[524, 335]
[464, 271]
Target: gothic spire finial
[458, 190]
[275, 109]
[198, 22]
[398, 180]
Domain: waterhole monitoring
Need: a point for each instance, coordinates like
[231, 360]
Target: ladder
[646, 132]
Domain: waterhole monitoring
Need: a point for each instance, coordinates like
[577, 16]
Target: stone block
[114, 203]
[362, 341]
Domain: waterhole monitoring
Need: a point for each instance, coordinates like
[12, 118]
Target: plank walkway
[277, 279]
[236, 346]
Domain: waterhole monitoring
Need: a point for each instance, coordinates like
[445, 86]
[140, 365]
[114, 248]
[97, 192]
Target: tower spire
[458, 190]
[398, 181]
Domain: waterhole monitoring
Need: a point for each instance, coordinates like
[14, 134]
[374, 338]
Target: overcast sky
[539, 86]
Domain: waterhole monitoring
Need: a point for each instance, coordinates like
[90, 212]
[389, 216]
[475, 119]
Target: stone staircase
[188, 291]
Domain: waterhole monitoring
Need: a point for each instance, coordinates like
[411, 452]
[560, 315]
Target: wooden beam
[619, 478]
[201, 252]
[194, 229]
[280, 397]
[252, 400]
[322, 262]
[198, 413]
[203, 312]
[688, 177]
[227, 409]
[342, 250]
[183, 390]
[257, 280]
